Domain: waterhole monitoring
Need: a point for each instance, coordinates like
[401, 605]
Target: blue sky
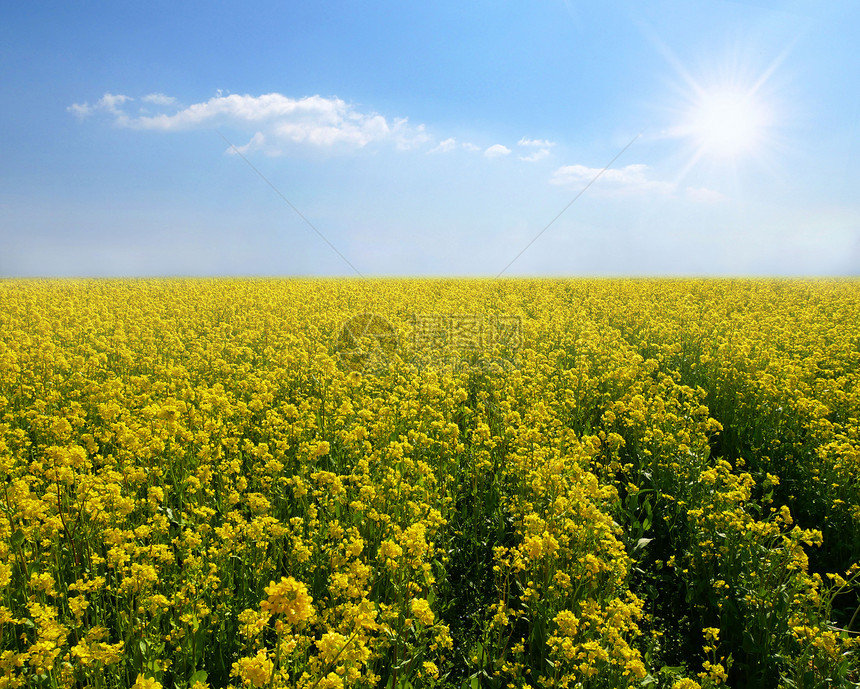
[430, 138]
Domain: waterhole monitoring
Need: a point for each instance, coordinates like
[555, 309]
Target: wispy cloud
[542, 146]
[109, 103]
[537, 143]
[158, 99]
[451, 144]
[275, 124]
[632, 179]
[279, 121]
[496, 151]
[444, 146]
[257, 143]
[540, 154]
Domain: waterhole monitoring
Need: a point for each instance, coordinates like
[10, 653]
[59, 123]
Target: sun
[726, 123]
[728, 115]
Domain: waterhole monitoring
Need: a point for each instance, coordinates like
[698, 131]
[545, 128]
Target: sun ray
[727, 113]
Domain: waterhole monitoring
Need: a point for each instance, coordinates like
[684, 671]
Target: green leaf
[154, 668]
[199, 676]
[17, 538]
[650, 514]
[749, 643]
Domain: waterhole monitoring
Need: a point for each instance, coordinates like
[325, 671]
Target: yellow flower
[686, 684]
[421, 610]
[252, 622]
[331, 645]
[144, 682]
[331, 681]
[568, 623]
[256, 670]
[534, 547]
[289, 598]
[5, 574]
[389, 552]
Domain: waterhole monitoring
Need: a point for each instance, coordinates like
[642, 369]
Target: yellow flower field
[429, 483]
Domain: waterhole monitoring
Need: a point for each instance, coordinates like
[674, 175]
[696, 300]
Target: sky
[482, 138]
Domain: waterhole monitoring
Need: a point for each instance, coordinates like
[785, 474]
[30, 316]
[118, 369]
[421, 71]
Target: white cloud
[540, 154]
[255, 144]
[278, 124]
[280, 121]
[445, 146]
[110, 103]
[158, 99]
[113, 103]
[451, 144]
[629, 179]
[497, 150]
[543, 146]
[407, 137]
[537, 143]
[80, 109]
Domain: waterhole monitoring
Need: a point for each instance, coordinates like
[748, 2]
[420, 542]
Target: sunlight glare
[727, 123]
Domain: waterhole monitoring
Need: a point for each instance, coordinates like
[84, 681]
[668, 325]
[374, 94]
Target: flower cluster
[205, 484]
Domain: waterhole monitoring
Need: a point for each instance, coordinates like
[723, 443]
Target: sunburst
[727, 122]
[726, 117]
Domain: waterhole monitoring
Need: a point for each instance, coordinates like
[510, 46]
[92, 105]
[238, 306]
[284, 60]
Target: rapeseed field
[325, 484]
